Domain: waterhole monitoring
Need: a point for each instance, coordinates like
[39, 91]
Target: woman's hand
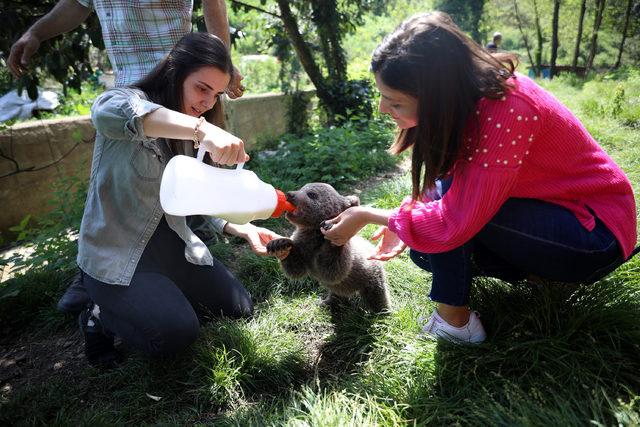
[257, 237]
[389, 247]
[223, 147]
[235, 88]
[343, 227]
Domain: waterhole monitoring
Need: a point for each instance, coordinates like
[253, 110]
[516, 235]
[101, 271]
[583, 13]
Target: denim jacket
[123, 208]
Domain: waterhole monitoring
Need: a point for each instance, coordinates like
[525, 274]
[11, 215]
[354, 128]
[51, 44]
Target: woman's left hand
[257, 237]
[390, 246]
[344, 226]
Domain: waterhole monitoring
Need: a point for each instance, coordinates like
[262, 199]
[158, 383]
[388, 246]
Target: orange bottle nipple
[282, 205]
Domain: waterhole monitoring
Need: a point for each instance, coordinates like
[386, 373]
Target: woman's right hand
[223, 147]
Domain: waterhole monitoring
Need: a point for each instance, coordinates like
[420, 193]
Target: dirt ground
[32, 359]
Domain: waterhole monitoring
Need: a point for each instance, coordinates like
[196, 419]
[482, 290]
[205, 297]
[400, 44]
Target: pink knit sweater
[525, 145]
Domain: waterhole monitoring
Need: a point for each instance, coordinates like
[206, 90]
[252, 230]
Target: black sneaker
[75, 298]
[98, 343]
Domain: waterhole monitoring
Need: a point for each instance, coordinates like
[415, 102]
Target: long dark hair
[428, 57]
[163, 85]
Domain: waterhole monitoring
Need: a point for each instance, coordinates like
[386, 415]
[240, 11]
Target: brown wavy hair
[163, 84]
[429, 58]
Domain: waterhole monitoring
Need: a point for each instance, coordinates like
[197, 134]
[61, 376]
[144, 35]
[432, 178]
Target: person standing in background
[495, 43]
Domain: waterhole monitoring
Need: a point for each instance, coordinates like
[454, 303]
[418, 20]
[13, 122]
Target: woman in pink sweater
[507, 182]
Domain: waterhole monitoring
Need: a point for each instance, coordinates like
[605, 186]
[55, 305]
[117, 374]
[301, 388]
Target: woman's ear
[353, 200]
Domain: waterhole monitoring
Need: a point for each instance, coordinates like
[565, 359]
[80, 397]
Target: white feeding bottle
[191, 187]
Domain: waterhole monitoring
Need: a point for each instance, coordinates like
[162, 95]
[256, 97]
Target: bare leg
[454, 315]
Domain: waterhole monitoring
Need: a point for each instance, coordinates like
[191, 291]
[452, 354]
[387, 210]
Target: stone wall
[34, 155]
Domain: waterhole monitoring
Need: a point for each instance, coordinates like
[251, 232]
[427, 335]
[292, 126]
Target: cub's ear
[353, 200]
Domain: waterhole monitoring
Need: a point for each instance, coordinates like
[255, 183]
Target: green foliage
[360, 44]
[499, 16]
[260, 73]
[65, 58]
[349, 100]
[340, 156]
[298, 113]
[465, 13]
[51, 237]
[313, 26]
[6, 79]
[623, 105]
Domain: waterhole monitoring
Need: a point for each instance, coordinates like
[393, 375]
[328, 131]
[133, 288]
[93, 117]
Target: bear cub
[343, 270]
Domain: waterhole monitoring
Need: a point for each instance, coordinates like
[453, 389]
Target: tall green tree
[539, 39]
[600, 4]
[576, 52]
[525, 38]
[625, 27]
[554, 37]
[315, 29]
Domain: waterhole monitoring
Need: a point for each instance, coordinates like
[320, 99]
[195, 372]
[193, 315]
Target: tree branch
[259, 9]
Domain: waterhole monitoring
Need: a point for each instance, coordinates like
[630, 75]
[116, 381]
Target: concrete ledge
[34, 155]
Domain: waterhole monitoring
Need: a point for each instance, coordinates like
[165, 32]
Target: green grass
[554, 355]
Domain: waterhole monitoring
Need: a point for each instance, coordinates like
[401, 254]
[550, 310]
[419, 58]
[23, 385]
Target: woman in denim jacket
[149, 276]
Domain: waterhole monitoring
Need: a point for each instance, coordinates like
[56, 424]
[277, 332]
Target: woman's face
[201, 88]
[401, 107]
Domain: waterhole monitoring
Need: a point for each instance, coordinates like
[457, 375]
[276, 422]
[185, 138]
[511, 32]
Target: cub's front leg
[290, 255]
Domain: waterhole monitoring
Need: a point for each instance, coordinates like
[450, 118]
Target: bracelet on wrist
[196, 137]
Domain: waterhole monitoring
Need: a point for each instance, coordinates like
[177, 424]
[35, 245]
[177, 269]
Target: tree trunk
[594, 36]
[554, 38]
[624, 34]
[476, 15]
[302, 49]
[525, 38]
[538, 51]
[576, 52]
[326, 21]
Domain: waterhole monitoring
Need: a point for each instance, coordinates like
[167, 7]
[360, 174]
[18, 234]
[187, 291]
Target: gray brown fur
[343, 270]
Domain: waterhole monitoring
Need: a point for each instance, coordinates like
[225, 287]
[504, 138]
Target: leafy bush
[339, 156]
[350, 100]
[623, 102]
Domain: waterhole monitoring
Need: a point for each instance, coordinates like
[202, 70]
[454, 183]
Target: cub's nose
[291, 197]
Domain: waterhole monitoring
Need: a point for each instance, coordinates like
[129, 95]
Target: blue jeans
[526, 237]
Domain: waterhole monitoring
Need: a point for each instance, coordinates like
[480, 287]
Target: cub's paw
[326, 225]
[280, 248]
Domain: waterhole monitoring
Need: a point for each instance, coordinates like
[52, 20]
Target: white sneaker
[471, 333]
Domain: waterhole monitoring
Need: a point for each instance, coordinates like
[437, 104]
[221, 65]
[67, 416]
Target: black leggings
[159, 313]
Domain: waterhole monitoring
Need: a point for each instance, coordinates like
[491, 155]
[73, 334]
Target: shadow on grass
[555, 355]
[351, 342]
[140, 391]
[29, 300]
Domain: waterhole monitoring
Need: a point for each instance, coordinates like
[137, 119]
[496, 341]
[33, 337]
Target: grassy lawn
[554, 355]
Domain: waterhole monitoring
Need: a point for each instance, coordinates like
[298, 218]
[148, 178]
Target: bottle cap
[282, 205]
